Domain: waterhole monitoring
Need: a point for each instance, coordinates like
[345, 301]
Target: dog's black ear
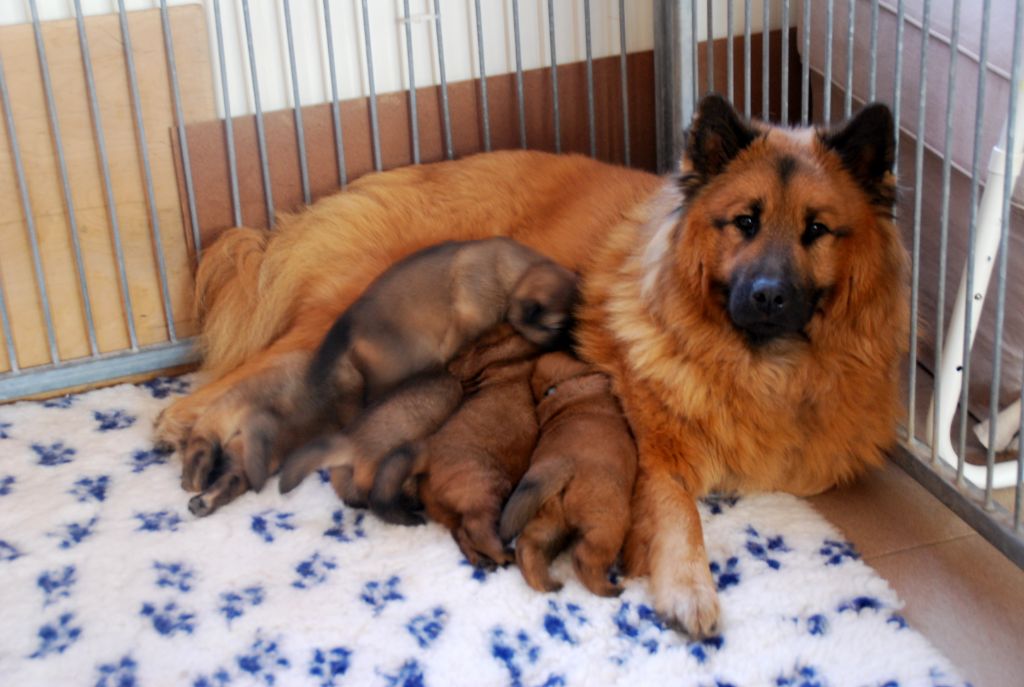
[867, 146]
[716, 136]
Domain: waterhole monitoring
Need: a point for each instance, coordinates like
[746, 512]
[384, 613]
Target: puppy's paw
[687, 599]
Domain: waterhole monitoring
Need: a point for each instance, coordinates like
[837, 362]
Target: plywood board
[38, 150]
[208, 151]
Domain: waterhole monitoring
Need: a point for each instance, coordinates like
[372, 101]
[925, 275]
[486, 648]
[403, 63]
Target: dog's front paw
[686, 597]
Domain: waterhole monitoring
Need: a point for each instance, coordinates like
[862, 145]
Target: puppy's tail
[540, 483]
[390, 500]
[326, 452]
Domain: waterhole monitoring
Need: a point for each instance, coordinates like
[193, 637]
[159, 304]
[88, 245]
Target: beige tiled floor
[960, 592]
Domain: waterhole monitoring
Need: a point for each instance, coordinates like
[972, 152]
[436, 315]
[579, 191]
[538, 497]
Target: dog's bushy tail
[541, 482]
[235, 314]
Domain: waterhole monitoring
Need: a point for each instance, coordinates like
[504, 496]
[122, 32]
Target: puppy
[412, 411]
[420, 312]
[467, 468]
[580, 479]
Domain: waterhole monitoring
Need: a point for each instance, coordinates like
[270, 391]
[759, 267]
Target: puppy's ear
[716, 136]
[866, 145]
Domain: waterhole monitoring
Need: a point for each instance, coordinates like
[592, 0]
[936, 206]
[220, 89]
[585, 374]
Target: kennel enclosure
[135, 131]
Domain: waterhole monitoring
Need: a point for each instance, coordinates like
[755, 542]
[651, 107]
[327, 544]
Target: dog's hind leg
[478, 534]
[387, 496]
[593, 555]
[538, 544]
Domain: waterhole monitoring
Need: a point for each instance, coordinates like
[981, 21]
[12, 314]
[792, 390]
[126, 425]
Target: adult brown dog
[751, 310]
[580, 482]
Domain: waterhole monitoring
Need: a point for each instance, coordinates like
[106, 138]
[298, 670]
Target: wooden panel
[208, 149]
[27, 100]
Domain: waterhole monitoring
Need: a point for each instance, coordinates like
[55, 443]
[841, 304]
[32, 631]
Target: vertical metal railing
[784, 76]
[520, 98]
[69, 203]
[555, 115]
[1009, 177]
[108, 186]
[261, 138]
[485, 114]
[765, 60]
[339, 140]
[300, 135]
[446, 114]
[591, 119]
[947, 168]
[805, 77]
[179, 120]
[730, 58]
[972, 229]
[414, 125]
[747, 47]
[710, 46]
[623, 82]
[147, 172]
[30, 222]
[229, 128]
[915, 254]
[372, 84]
[826, 88]
[851, 22]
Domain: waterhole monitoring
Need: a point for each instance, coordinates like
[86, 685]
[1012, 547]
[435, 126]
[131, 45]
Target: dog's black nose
[770, 296]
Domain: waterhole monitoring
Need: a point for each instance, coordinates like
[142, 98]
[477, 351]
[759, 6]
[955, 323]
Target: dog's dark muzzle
[765, 306]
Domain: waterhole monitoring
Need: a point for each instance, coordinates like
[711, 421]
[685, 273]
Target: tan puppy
[580, 480]
[468, 467]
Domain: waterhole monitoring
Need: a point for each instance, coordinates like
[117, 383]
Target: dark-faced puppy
[421, 311]
[580, 481]
[467, 468]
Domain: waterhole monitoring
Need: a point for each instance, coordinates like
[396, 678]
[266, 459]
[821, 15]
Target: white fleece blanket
[107, 580]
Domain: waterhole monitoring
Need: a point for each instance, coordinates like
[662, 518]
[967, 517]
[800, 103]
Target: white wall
[388, 39]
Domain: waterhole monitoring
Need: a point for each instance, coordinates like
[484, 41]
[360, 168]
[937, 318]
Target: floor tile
[968, 600]
[887, 511]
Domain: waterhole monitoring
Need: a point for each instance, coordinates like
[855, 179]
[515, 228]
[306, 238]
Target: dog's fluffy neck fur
[790, 386]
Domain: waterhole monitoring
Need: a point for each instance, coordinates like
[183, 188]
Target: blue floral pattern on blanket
[110, 581]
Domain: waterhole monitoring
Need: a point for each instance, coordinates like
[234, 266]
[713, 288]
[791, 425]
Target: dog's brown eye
[747, 225]
[813, 232]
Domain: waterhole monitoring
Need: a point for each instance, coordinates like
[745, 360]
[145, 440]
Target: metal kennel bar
[261, 138]
[229, 127]
[446, 113]
[300, 135]
[556, 119]
[69, 204]
[485, 116]
[108, 187]
[339, 140]
[520, 98]
[179, 118]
